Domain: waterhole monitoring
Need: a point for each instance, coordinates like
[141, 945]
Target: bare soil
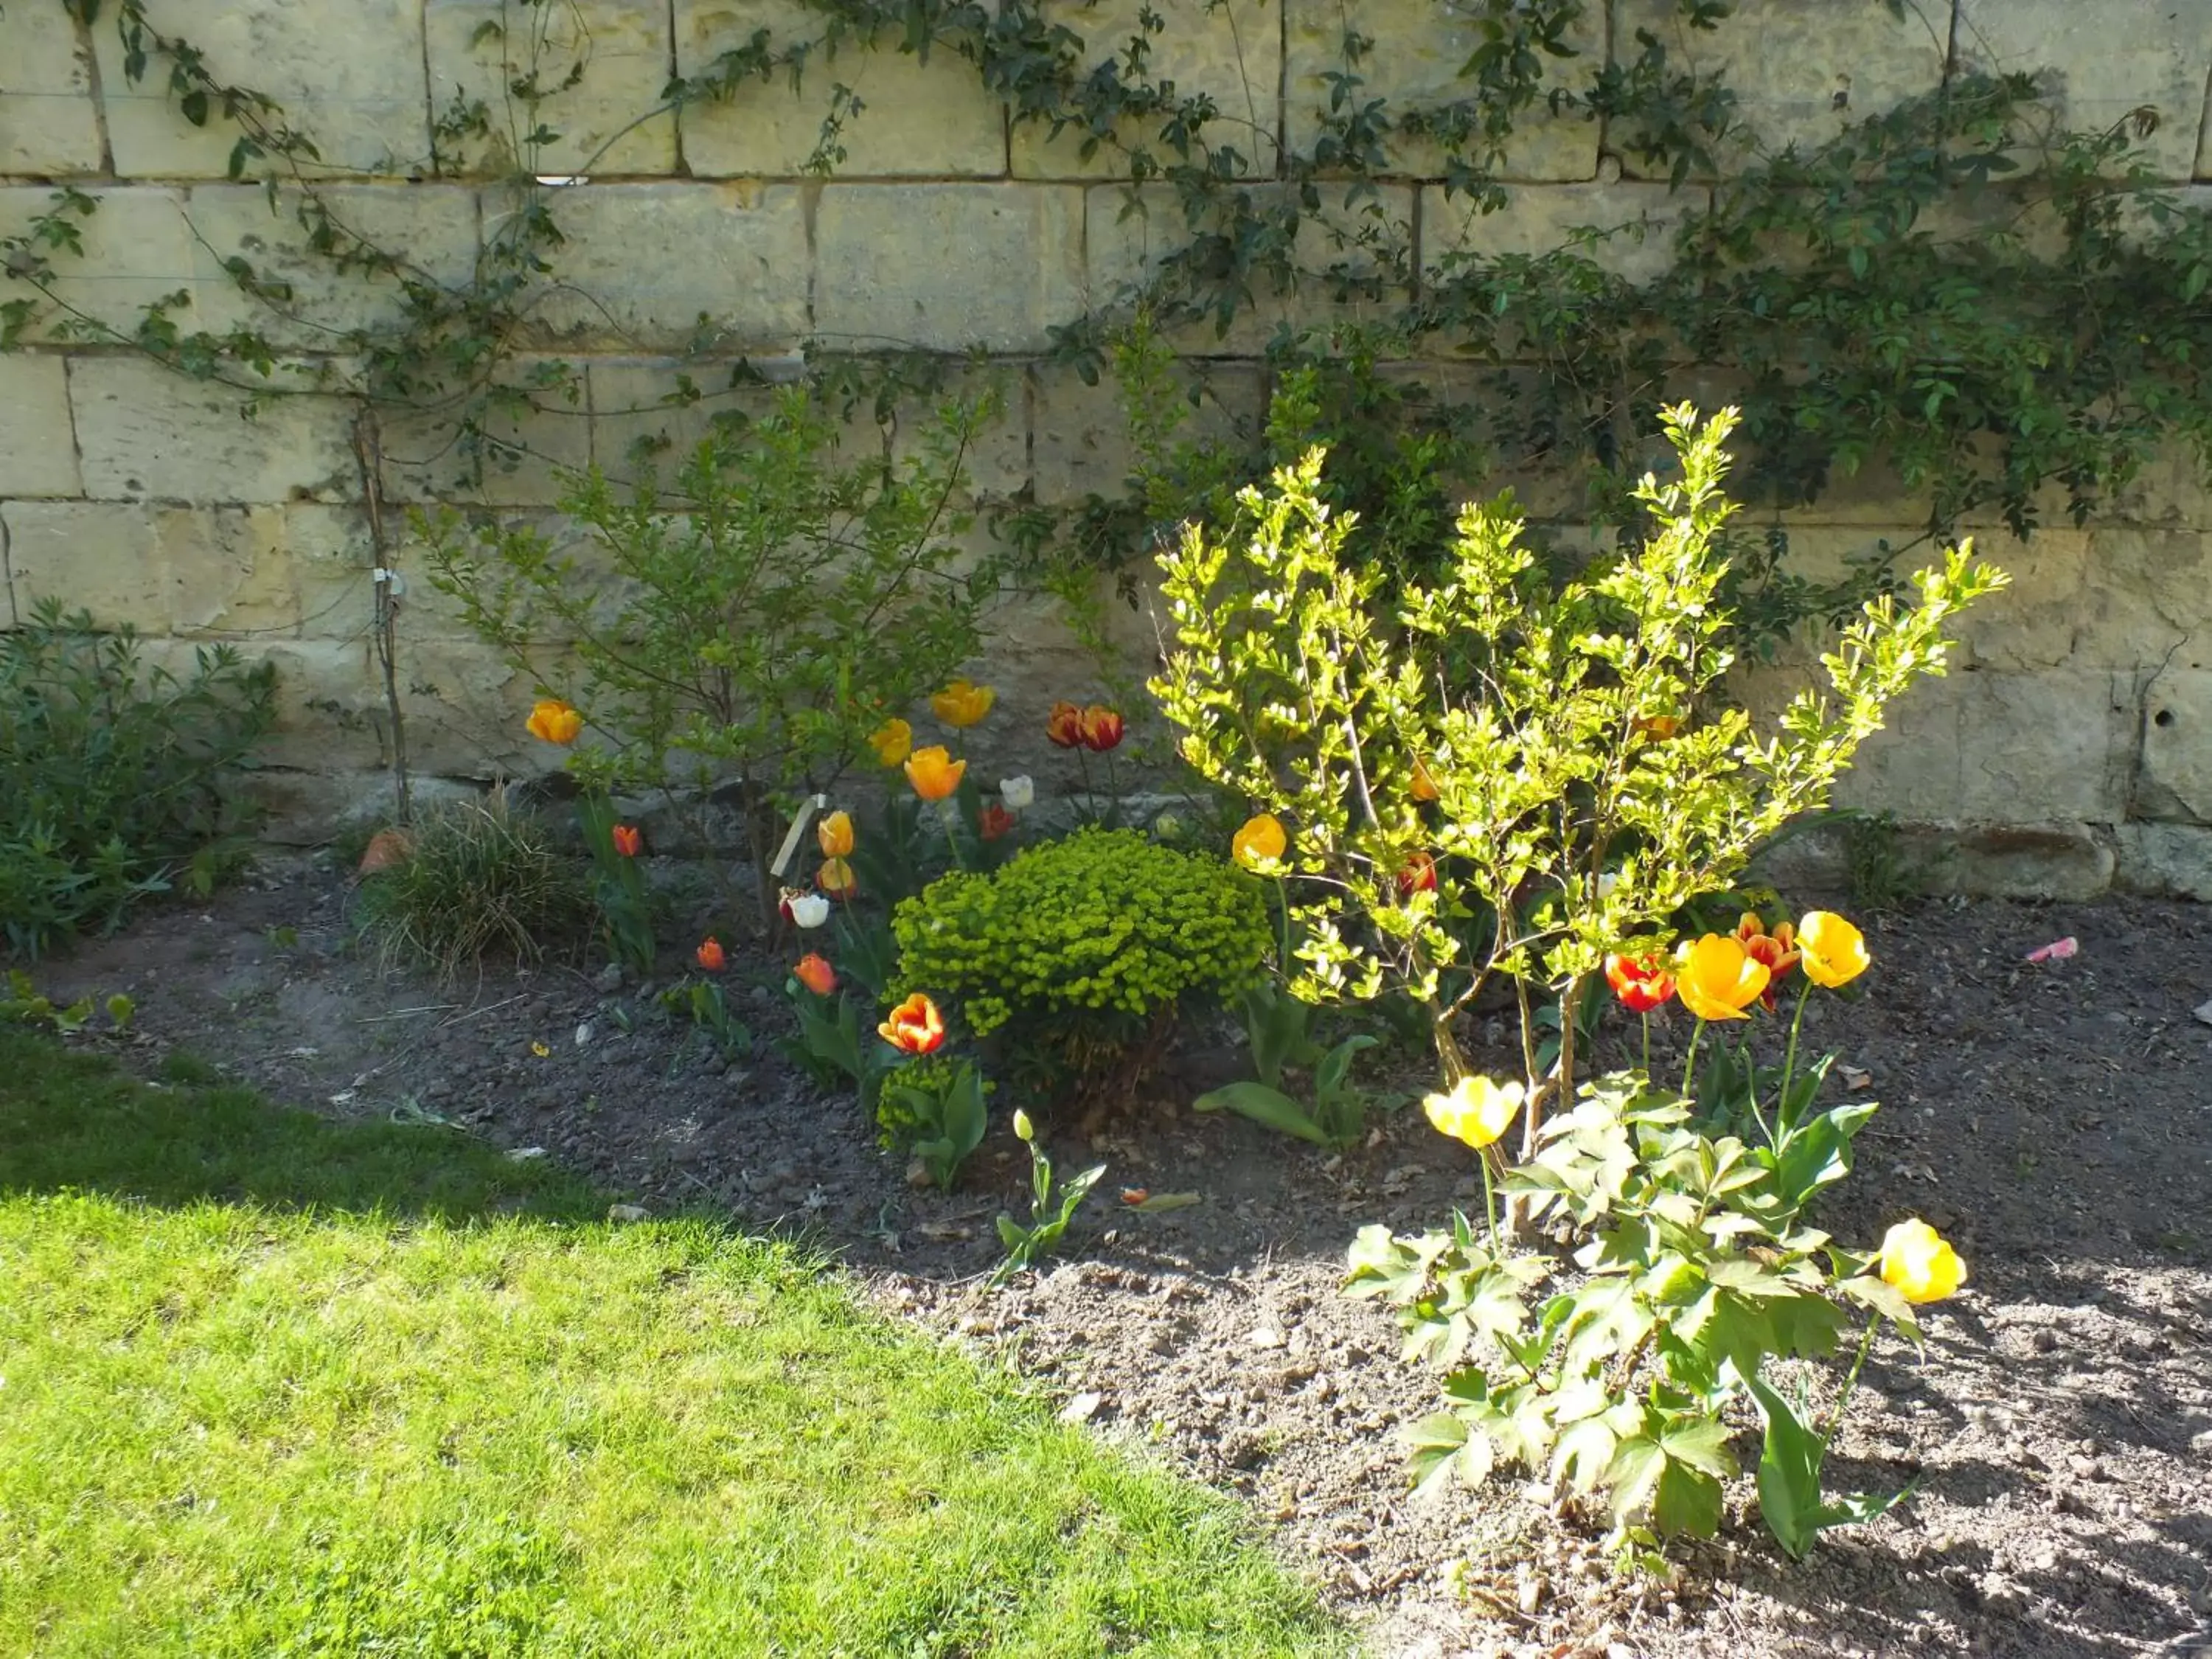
[2054, 1119]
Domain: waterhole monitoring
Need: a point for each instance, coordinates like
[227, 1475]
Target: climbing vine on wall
[2007, 311]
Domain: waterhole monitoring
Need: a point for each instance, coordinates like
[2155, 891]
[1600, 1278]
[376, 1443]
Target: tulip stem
[1646, 1017]
[1789, 1059]
[1690, 1066]
[1489, 1199]
[1851, 1382]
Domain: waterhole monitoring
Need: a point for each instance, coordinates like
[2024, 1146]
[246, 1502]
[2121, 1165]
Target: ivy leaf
[194, 106]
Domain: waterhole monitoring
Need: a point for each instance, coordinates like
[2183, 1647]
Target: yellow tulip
[552, 720]
[1835, 952]
[1423, 787]
[893, 741]
[1477, 1111]
[1917, 1263]
[960, 705]
[836, 835]
[1716, 978]
[933, 774]
[1260, 842]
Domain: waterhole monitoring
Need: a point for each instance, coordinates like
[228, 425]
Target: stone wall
[2075, 748]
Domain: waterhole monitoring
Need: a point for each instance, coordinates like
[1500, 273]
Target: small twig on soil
[403, 1013]
[459, 1019]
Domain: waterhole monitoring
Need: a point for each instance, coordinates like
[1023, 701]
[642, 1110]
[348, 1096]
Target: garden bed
[2054, 1119]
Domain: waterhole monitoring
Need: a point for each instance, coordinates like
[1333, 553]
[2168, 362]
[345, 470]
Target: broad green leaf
[1702, 1443]
[1271, 1108]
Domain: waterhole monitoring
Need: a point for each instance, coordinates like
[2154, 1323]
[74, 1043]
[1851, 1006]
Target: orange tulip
[1778, 950]
[915, 1027]
[836, 835]
[836, 879]
[627, 841]
[814, 972]
[933, 773]
[711, 956]
[1064, 726]
[1716, 978]
[961, 704]
[1101, 728]
[1641, 983]
[555, 722]
[1419, 876]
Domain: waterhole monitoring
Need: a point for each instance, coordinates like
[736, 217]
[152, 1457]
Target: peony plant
[1696, 1271]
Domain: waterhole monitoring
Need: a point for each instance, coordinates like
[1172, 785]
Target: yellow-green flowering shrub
[1094, 940]
[1499, 775]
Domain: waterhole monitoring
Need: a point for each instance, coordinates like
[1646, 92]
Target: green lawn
[272, 1386]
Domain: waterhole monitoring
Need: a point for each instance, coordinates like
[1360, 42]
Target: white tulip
[1019, 793]
[810, 909]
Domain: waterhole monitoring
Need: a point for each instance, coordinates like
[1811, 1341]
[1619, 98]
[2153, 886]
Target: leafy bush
[753, 627]
[1080, 947]
[1497, 778]
[479, 878]
[111, 773]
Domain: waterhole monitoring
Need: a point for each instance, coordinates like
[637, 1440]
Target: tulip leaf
[1263, 1105]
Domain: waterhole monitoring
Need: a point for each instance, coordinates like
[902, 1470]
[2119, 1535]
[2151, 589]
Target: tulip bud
[1022, 1126]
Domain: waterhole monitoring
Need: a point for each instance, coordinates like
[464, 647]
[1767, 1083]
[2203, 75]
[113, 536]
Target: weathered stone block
[1634, 221]
[637, 400]
[1338, 254]
[2174, 488]
[2177, 748]
[37, 447]
[2168, 860]
[2148, 600]
[711, 267]
[331, 715]
[518, 457]
[2059, 739]
[138, 250]
[99, 556]
[47, 121]
[633, 399]
[349, 77]
[2067, 862]
[1417, 49]
[2035, 621]
[1803, 70]
[618, 49]
[1230, 52]
[2105, 61]
[143, 430]
[915, 118]
[1081, 436]
[432, 228]
[161, 570]
[947, 267]
[465, 711]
